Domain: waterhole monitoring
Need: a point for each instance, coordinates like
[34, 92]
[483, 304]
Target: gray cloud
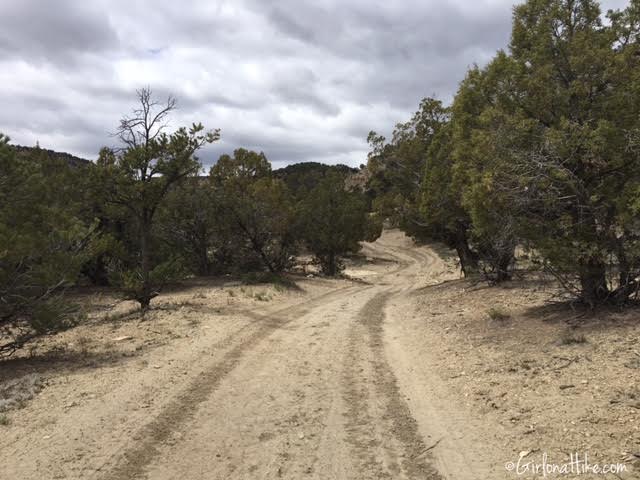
[301, 81]
[40, 32]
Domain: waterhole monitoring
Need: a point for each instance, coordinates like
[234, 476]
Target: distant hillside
[62, 156]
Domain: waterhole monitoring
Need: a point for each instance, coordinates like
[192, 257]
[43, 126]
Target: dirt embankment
[404, 373]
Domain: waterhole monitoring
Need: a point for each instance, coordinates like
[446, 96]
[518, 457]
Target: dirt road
[309, 394]
[316, 386]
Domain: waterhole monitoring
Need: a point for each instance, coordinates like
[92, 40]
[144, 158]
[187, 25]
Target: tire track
[181, 409]
[382, 432]
[375, 408]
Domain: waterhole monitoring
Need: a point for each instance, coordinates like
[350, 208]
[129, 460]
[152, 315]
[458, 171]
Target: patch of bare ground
[98, 384]
[399, 370]
[527, 377]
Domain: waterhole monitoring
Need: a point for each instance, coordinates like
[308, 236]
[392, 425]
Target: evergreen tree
[575, 100]
[43, 244]
[138, 177]
[333, 222]
[258, 208]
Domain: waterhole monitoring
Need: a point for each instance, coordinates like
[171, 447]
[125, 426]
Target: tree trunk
[97, 271]
[468, 258]
[627, 284]
[593, 282]
[330, 266]
[503, 271]
[204, 266]
[145, 266]
[145, 302]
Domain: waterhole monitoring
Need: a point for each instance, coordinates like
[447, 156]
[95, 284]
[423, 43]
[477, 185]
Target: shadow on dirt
[576, 315]
[62, 361]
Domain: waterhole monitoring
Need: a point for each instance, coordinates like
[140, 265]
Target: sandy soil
[399, 372]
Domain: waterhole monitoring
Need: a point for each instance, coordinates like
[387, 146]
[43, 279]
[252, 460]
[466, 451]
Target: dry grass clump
[15, 393]
[498, 314]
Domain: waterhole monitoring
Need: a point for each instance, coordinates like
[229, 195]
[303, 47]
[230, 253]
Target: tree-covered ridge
[72, 160]
[303, 177]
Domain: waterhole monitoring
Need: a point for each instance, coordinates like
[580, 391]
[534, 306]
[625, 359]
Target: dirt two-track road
[325, 385]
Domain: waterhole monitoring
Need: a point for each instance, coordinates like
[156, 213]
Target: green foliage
[188, 223]
[257, 208]
[136, 181]
[135, 286]
[259, 278]
[443, 216]
[491, 231]
[43, 244]
[539, 148]
[333, 221]
[568, 135]
[397, 167]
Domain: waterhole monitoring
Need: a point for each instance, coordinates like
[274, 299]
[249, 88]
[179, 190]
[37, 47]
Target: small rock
[123, 339]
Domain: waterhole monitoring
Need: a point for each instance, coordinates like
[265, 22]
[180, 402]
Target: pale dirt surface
[398, 373]
[517, 381]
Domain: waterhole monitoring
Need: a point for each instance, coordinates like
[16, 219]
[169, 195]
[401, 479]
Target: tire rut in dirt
[180, 410]
[380, 428]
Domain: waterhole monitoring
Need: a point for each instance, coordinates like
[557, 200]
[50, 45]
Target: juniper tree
[573, 169]
[44, 242]
[257, 208]
[333, 222]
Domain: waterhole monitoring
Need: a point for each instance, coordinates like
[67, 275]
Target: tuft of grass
[84, 343]
[261, 278]
[231, 293]
[4, 420]
[498, 314]
[572, 339]
[262, 296]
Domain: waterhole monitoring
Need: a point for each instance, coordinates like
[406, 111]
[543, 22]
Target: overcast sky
[299, 80]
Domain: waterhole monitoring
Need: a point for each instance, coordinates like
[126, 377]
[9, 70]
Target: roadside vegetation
[146, 215]
[539, 149]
